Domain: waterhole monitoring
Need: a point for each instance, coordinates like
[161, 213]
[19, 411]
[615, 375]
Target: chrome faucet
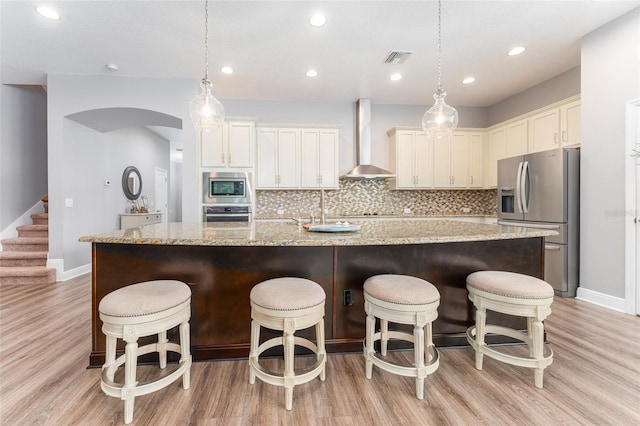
[322, 217]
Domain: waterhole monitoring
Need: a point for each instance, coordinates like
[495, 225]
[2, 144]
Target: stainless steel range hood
[364, 169]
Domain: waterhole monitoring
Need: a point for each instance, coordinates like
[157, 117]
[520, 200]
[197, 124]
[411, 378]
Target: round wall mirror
[131, 183]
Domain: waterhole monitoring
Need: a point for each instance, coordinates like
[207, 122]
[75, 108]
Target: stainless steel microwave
[226, 188]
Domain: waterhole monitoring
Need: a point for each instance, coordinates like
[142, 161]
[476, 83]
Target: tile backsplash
[357, 197]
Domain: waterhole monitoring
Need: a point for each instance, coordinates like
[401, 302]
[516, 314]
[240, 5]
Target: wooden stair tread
[40, 216]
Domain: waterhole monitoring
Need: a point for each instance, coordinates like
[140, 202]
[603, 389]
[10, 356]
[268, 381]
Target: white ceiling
[270, 45]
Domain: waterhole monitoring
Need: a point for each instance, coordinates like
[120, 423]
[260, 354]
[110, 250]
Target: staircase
[23, 260]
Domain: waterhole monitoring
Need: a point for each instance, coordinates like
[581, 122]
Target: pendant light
[206, 112]
[441, 119]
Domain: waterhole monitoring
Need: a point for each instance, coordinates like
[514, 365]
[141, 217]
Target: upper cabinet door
[442, 162]
[476, 160]
[288, 158]
[309, 155]
[423, 152]
[543, 131]
[231, 145]
[459, 160]
[212, 148]
[267, 153]
[570, 133]
[328, 158]
[241, 142]
[497, 151]
[516, 138]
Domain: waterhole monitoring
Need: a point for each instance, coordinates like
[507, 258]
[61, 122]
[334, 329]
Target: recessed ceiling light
[317, 20]
[47, 12]
[395, 77]
[516, 51]
[468, 80]
[226, 70]
[311, 73]
[112, 67]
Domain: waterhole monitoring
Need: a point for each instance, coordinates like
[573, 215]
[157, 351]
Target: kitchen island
[221, 262]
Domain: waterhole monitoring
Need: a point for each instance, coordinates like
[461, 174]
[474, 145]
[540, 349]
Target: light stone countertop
[270, 233]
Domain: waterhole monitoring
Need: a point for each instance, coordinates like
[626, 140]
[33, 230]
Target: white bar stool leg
[321, 349]
[131, 361]
[384, 336]
[185, 353]
[481, 318]
[418, 350]
[253, 352]
[162, 349]
[537, 332]
[110, 356]
[370, 324]
[289, 375]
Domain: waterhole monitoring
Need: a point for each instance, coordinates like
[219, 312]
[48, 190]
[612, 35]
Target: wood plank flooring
[45, 340]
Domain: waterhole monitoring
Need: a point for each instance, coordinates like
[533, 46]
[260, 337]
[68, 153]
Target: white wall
[72, 94]
[610, 78]
[23, 151]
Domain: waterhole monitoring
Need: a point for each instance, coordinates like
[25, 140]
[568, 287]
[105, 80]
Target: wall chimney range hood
[364, 169]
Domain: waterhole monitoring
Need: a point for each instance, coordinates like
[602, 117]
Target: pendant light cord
[439, 46]
[206, 39]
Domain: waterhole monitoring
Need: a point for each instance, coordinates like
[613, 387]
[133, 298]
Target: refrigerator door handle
[523, 186]
[517, 194]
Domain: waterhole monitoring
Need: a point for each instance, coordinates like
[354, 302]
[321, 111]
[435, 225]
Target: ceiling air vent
[396, 57]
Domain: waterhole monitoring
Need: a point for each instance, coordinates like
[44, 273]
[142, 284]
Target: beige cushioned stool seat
[144, 298]
[510, 284]
[287, 304]
[139, 310]
[402, 289]
[513, 294]
[285, 294]
[401, 299]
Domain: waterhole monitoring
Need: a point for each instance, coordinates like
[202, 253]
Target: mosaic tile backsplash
[373, 196]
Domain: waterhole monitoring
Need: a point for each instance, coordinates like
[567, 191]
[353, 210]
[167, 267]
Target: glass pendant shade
[206, 112]
[441, 119]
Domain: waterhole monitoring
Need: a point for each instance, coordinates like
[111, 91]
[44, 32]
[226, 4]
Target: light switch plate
[68, 202]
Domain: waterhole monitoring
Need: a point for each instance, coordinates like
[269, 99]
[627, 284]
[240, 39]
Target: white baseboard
[601, 299]
[62, 275]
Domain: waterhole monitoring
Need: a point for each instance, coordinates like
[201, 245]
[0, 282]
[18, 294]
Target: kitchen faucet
[322, 217]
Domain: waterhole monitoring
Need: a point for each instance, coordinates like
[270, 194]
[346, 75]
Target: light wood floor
[45, 340]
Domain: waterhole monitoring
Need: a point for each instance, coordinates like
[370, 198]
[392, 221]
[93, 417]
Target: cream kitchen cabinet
[570, 123]
[497, 151]
[278, 154]
[544, 129]
[319, 158]
[135, 220]
[411, 159]
[516, 134]
[453, 165]
[232, 145]
[555, 127]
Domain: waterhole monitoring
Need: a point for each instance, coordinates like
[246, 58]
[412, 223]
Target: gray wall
[560, 87]
[23, 151]
[73, 166]
[610, 78]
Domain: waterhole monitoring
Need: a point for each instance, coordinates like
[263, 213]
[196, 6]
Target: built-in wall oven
[226, 196]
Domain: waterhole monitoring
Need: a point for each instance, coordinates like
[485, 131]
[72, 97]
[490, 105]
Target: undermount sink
[332, 227]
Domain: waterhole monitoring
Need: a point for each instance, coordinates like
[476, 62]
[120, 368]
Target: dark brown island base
[221, 262]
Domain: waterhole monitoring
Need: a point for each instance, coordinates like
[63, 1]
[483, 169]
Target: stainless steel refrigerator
[541, 190]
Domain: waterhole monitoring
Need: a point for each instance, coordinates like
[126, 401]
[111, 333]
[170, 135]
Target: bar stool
[512, 294]
[287, 304]
[405, 300]
[139, 310]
